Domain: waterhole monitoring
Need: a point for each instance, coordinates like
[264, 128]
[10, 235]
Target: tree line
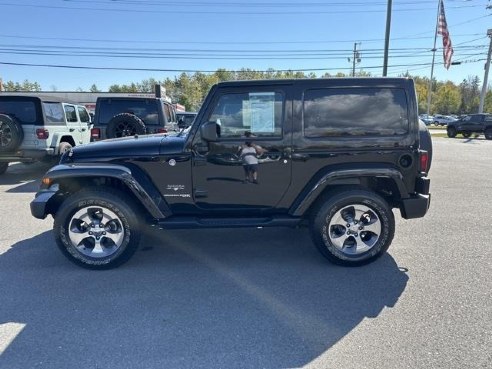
[189, 89]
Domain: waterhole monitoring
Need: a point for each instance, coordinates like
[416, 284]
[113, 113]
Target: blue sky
[208, 34]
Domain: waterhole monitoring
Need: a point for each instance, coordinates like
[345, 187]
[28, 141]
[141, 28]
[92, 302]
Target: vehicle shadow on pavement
[25, 177]
[242, 298]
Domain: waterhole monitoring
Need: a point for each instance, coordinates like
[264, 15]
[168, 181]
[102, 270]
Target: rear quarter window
[53, 112]
[338, 112]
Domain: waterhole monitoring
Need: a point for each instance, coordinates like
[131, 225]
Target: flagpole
[429, 92]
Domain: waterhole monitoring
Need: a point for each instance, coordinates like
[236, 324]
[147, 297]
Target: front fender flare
[136, 181]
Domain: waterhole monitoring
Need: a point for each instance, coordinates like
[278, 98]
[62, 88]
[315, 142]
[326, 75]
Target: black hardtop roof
[42, 98]
[131, 98]
[365, 82]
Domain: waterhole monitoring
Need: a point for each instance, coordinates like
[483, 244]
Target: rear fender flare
[344, 177]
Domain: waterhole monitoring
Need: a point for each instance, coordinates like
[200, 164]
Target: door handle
[83, 129]
[299, 157]
[71, 129]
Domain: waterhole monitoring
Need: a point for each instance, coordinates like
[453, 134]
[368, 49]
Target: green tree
[447, 99]
[94, 88]
[26, 86]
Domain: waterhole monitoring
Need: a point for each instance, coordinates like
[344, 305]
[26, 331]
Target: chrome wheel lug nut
[361, 228]
[348, 225]
[90, 233]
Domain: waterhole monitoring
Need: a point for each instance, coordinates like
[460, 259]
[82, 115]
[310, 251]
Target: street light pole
[486, 75]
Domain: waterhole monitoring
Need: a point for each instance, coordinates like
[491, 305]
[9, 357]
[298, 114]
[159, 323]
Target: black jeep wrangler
[472, 124]
[336, 155]
[128, 116]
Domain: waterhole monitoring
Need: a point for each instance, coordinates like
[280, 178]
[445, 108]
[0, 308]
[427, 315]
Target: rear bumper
[415, 206]
[40, 206]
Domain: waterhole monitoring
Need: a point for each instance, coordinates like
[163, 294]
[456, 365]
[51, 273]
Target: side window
[467, 118]
[70, 113]
[53, 112]
[168, 113]
[338, 112]
[83, 114]
[488, 118]
[261, 113]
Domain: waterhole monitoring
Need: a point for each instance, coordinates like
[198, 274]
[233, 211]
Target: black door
[248, 168]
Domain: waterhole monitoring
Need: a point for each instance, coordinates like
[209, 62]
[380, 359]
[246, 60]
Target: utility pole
[429, 92]
[486, 75]
[355, 58]
[387, 38]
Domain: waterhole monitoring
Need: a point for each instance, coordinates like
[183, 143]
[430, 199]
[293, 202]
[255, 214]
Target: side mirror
[210, 131]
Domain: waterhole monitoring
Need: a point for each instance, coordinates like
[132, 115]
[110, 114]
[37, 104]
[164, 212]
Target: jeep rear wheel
[11, 133]
[451, 132]
[97, 229]
[488, 133]
[63, 148]
[352, 228]
[125, 124]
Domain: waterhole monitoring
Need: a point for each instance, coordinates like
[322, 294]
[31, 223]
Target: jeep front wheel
[97, 229]
[352, 228]
[451, 132]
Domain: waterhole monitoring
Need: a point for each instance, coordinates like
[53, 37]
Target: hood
[128, 147]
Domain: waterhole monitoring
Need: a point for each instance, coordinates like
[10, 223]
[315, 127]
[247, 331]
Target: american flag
[442, 29]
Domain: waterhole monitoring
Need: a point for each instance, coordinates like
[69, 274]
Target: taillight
[42, 134]
[162, 130]
[424, 161]
[96, 133]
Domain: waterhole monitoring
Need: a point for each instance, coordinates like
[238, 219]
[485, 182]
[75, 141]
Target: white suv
[35, 128]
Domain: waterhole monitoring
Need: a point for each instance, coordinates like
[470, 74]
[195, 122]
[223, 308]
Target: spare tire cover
[11, 133]
[125, 124]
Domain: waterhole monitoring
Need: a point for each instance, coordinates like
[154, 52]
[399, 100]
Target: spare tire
[125, 124]
[11, 133]
[425, 140]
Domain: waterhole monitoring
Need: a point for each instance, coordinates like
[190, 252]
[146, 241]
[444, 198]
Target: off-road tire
[64, 147]
[11, 133]
[125, 124]
[3, 167]
[95, 199]
[488, 133]
[451, 132]
[330, 205]
[425, 141]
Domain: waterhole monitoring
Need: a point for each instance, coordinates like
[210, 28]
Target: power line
[234, 12]
[211, 71]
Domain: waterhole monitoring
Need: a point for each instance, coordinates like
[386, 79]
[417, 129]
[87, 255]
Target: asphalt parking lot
[258, 298]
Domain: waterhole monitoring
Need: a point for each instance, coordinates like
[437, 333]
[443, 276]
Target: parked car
[185, 119]
[472, 124]
[336, 155]
[443, 120]
[427, 119]
[129, 116]
[36, 128]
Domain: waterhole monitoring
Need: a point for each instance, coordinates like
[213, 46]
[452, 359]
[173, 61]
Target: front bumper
[41, 205]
